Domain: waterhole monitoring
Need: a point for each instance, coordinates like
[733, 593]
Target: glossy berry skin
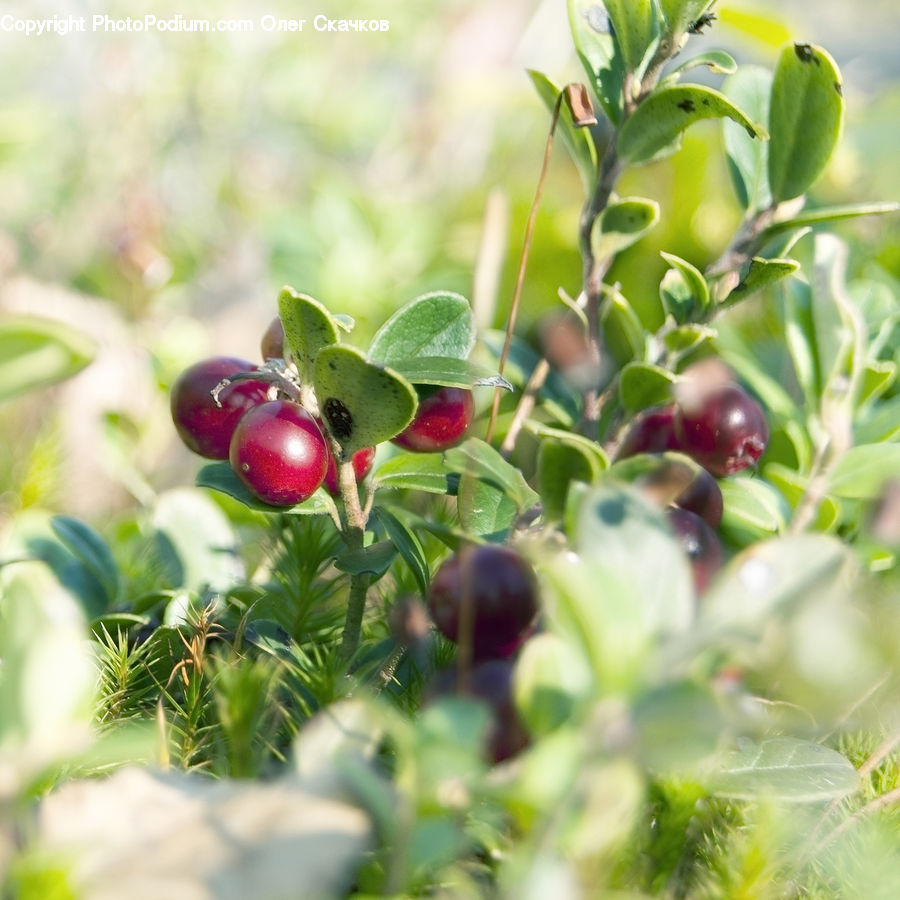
[699, 541]
[205, 427]
[441, 421]
[703, 497]
[650, 431]
[494, 586]
[492, 682]
[362, 465]
[725, 430]
[279, 453]
[272, 343]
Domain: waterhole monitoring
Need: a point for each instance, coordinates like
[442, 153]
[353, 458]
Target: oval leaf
[679, 15]
[589, 25]
[308, 327]
[91, 550]
[642, 385]
[448, 371]
[633, 24]
[38, 352]
[786, 769]
[667, 112]
[438, 324]
[748, 159]
[560, 463]
[362, 404]
[695, 284]
[414, 471]
[221, 477]
[717, 61]
[760, 274]
[480, 459]
[806, 115]
[862, 472]
[484, 508]
[623, 223]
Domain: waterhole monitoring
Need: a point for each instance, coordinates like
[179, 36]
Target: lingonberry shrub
[205, 422]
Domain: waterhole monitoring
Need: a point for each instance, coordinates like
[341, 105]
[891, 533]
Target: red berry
[441, 421]
[272, 344]
[723, 428]
[650, 431]
[700, 544]
[494, 589]
[362, 465]
[492, 682]
[279, 453]
[205, 426]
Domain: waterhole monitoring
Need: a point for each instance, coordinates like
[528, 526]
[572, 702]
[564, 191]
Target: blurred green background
[158, 188]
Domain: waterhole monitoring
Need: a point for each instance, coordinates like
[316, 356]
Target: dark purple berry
[279, 453]
[488, 592]
[700, 544]
[272, 344]
[650, 431]
[703, 496]
[492, 682]
[723, 428]
[442, 419]
[205, 426]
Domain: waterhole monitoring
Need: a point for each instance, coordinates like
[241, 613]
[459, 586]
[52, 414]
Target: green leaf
[448, 371]
[695, 283]
[550, 682]
[621, 224]
[559, 463]
[879, 422]
[362, 403]
[750, 89]
[480, 460]
[717, 61]
[589, 448]
[91, 550]
[436, 324]
[829, 214]
[414, 471]
[38, 352]
[408, 545]
[484, 508]
[196, 541]
[863, 471]
[806, 116]
[752, 506]
[686, 338]
[634, 28]
[878, 377]
[659, 121]
[785, 769]
[308, 327]
[374, 560]
[599, 54]
[679, 15]
[219, 476]
[642, 385]
[622, 328]
[760, 274]
[620, 523]
[577, 141]
[793, 486]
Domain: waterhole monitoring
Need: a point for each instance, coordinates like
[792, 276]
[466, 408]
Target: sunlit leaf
[623, 223]
[219, 476]
[863, 471]
[308, 327]
[642, 385]
[749, 88]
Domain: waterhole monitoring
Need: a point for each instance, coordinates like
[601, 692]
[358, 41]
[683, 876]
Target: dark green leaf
[634, 28]
[373, 560]
[667, 112]
[414, 471]
[621, 224]
[308, 327]
[362, 403]
[642, 385]
[407, 544]
[480, 460]
[91, 550]
[559, 463]
[750, 88]
[38, 352]
[449, 371]
[219, 476]
[484, 508]
[577, 141]
[695, 283]
[805, 119]
[436, 324]
[785, 769]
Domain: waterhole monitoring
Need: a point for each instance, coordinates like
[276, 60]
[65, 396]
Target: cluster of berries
[720, 427]
[276, 447]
